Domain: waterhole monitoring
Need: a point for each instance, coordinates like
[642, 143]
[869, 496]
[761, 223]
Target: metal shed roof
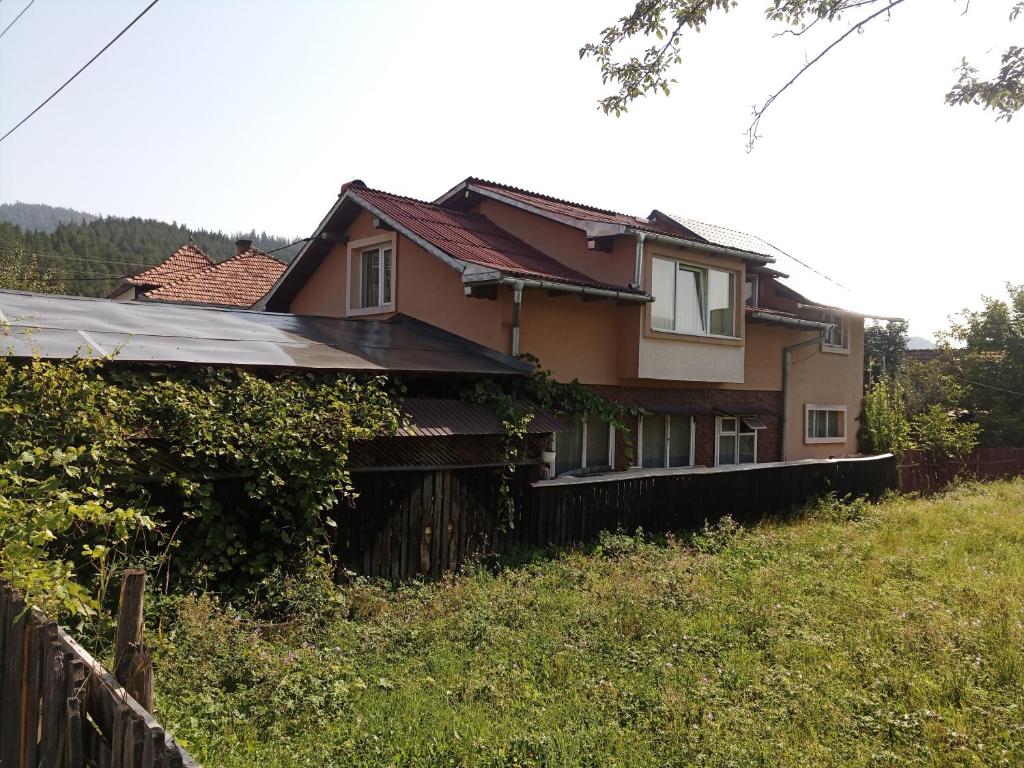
[54, 327]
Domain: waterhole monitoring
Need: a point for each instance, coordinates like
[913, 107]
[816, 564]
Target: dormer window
[371, 270]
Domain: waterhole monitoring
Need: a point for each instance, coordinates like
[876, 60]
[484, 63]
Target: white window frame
[668, 441]
[702, 271]
[841, 329]
[811, 407]
[753, 280]
[355, 251]
[582, 465]
[737, 433]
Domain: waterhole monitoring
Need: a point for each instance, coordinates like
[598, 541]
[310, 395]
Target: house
[688, 321]
[189, 276]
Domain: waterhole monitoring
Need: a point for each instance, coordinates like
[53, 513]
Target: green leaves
[252, 467]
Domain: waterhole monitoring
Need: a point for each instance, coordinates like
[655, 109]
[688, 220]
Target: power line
[80, 71]
[17, 17]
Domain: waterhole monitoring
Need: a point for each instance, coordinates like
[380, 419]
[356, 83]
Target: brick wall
[707, 404]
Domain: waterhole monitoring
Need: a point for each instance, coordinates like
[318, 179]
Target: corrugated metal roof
[53, 327]
[438, 417]
[420, 453]
[725, 237]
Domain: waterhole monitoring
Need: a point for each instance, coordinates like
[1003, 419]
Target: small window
[737, 440]
[695, 300]
[750, 293]
[665, 441]
[837, 335]
[375, 277]
[825, 424]
[586, 444]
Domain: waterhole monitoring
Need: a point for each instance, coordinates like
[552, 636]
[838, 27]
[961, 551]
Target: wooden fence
[921, 474]
[60, 708]
[408, 524]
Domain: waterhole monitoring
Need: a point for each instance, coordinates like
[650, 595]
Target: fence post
[133, 666]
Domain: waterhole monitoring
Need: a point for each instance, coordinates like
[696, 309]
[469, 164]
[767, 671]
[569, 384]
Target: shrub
[885, 425]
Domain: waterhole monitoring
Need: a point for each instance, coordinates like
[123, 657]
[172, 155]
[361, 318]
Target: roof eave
[482, 276]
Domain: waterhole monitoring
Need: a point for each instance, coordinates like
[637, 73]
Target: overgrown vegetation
[242, 472]
[857, 635]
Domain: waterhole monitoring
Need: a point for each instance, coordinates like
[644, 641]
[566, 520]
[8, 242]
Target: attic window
[371, 276]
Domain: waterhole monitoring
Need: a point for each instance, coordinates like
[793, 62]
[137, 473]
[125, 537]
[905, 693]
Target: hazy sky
[238, 114]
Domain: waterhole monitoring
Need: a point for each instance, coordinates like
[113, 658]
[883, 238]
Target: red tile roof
[185, 261]
[474, 239]
[240, 281]
[562, 207]
[656, 222]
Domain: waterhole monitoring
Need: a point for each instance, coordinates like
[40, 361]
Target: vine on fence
[515, 403]
[86, 448]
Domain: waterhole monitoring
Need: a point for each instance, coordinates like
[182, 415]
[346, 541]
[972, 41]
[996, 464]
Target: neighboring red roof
[475, 239]
[185, 261]
[240, 281]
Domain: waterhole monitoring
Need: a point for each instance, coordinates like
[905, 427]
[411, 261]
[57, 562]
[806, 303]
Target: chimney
[242, 246]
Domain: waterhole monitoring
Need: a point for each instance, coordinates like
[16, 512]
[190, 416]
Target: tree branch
[758, 113]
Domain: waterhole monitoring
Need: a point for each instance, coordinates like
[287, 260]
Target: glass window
[598, 443]
[826, 423]
[663, 288]
[652, 443]
[836, 335]
[750, 293]
[370, 278]
[385, 269]
[689, 300]
[737, 441]
[692, 299]
[679, 429]
[569, 446]
[721, 302]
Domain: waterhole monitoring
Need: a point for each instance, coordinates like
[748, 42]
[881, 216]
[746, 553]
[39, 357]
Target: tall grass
[857, 635]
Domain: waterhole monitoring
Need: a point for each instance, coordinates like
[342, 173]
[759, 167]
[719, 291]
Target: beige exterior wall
[816, 376]
[603, 342]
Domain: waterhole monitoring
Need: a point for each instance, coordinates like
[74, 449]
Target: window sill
[823, 440]
[702, 338]
[835, 350]
[384, 309]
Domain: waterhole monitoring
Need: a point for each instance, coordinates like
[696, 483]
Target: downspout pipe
[517, 313]
[638, 270]
[786, 359]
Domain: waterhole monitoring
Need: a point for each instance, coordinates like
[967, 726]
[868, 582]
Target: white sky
[241, 114]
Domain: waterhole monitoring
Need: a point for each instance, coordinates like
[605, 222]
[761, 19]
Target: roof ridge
[552, 198]
[417, 201]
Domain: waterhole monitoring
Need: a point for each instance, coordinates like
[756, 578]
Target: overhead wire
[15, 21]
[85, 66]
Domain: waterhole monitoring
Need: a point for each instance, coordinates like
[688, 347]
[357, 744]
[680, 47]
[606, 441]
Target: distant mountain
[94, 252]
[36, 217]
[919, 342]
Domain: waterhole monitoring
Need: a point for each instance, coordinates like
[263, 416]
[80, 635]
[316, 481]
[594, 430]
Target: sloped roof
[474, 239]
[599, 222]
[61, 327]
[240, 281]
[723, 236]
[185, 261]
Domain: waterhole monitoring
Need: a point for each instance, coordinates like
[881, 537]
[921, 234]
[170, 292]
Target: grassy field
[885, 635]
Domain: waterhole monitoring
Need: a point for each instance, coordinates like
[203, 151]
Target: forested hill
[37, 217]
[93, 254]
